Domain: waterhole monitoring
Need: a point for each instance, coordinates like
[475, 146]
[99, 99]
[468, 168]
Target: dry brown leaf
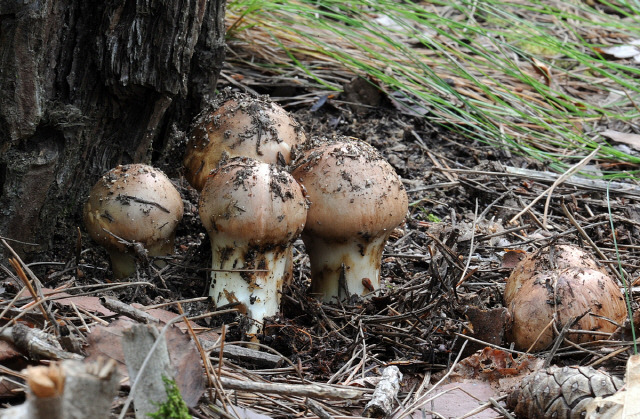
[454, 400]
[494, 365]
[107, 342]
[512, 257]
[91, 304]
[8, 351]
[9, 389]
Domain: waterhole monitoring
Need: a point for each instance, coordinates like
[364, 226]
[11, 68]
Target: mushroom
[556, 257]
[356, 200]
[252, 212]
[237, 125]
[560, 295]
[133, 211]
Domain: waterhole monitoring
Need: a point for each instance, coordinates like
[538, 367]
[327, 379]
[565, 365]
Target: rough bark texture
[85, 86]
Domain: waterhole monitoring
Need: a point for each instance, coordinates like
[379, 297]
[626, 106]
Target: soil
[446, 262]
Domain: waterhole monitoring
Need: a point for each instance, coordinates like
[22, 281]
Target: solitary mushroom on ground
[239, 125]
[559, 296]
[356, 200]
[253, 212]
[133, 211]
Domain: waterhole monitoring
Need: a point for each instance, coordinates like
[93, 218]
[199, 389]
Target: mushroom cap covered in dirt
[133, 204]
[253, 201]
[356, 200]
[239, 125]
[252, 212]
[554, 257]
[567, 293]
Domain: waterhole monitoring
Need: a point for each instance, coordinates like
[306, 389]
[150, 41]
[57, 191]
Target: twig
[128, 310]
[316, 391]
[381, 403]
[463, 275]
[317, 409]
[549, 192]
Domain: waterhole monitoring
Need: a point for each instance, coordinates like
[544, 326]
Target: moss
[174, 407]
[433, 218]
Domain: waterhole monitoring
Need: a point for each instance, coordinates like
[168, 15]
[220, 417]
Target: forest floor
[443, 274]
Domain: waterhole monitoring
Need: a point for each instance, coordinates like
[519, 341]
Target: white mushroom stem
[259, 281]
[344, 269]
[124, 263]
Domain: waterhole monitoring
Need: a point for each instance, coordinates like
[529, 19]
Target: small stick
[381, 404]
[315, 391]
[317, 409]
[128, 311]
[23, 277]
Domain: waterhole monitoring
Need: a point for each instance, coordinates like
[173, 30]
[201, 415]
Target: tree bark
[85, 86]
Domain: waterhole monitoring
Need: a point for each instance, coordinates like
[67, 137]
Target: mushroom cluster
[133, 211]
[556, 286]
[341, 195]
[355, 201]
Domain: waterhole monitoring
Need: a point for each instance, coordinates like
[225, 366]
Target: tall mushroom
[239, 125]
[356, 200]
[133, 209]
[252, 212]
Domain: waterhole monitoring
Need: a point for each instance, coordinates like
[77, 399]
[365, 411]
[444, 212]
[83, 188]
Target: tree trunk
[87, 85]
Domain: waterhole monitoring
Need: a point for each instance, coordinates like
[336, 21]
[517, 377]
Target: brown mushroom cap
[568, 292]
[555, 257]
[239, 125]
[253, 201]
[136, 203]
[352, 189]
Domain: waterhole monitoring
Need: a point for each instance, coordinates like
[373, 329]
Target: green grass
[477, 66]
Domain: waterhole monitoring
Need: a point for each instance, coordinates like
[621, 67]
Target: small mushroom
[551, 258]
[252, 212]
[133, 211]
[239, 125]
[356, 201]
[559, 295]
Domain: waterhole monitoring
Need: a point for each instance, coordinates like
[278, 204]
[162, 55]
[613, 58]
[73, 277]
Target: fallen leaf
[9, 389]
[623, 137]
[8, 351]
[454, 400]
[91, 304]
[185, 359]
[487, 325]
[207, 338]
[512, 257]
[621, 51]
[493, 366]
